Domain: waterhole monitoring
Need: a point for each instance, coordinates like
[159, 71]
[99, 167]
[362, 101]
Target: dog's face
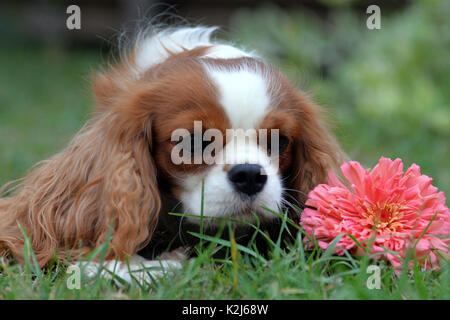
[221, 110]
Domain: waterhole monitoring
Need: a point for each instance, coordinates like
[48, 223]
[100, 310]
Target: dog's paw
[179, 254]
[137, 269]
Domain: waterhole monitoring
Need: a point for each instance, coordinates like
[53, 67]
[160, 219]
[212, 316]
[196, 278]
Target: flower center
[385, 215]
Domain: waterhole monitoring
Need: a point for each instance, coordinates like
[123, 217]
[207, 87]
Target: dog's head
[221, 120]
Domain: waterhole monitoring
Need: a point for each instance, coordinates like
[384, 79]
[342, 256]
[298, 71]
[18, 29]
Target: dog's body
[119, 169]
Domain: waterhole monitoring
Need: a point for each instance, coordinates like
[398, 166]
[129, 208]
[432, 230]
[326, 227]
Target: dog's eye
[283, 143]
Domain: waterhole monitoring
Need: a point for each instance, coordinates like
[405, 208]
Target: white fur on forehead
[244, 95]
[156, 47]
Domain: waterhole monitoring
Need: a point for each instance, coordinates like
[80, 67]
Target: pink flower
[386, 206]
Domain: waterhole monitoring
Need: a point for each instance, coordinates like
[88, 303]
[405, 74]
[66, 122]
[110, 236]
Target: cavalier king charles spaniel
[121, 172]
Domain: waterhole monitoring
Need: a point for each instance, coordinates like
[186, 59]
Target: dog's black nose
[247, 178]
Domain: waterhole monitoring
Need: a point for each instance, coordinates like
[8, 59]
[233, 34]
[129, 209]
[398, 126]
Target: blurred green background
[386, 91]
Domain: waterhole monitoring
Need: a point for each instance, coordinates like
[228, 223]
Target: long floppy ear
[105, 177]
[316, 151]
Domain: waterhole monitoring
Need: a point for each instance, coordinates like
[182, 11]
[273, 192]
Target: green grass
[387, 97]
[44, 99]
[285, 273]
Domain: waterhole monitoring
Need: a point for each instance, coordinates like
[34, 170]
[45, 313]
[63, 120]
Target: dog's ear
[110, 85]
[106, 177]
[316, 150]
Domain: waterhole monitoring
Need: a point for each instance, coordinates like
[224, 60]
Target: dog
[122, 173]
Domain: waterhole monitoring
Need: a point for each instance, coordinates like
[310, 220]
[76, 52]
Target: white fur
[220, 198]
[243, 93]
[155, 48]
[137, 269]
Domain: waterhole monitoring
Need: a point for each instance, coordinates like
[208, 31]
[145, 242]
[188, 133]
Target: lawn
[387, 96]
